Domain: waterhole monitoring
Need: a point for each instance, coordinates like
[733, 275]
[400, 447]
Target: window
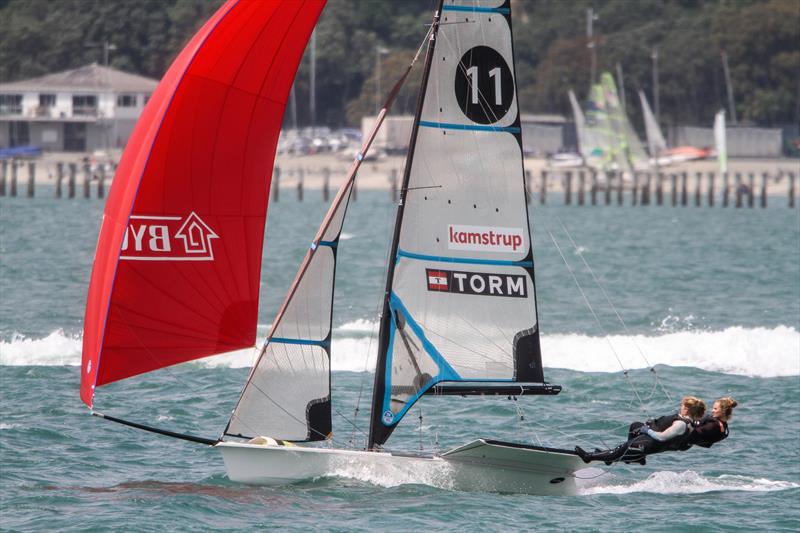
[146, 99]
[84, 104]
[126, 100]
[47, 100]
[10, 104]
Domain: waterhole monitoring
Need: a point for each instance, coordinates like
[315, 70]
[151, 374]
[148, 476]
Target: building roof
[90, 77]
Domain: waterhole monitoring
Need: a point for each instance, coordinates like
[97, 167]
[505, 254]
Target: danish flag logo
[168, 238]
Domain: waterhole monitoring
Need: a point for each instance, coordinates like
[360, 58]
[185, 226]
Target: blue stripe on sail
[466, 260]
[471, 9]
[446, 372]
[305, 342]
[332, 244]
[469, 127]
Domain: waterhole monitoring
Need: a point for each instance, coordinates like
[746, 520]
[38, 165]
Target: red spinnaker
[177, 267]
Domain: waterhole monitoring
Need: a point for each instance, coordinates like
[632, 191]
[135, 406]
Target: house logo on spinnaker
[168, 238]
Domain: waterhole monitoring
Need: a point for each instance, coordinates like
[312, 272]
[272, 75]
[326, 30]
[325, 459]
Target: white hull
[477, 466]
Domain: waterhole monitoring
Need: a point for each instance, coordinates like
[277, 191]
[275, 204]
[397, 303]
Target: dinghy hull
[486, 466]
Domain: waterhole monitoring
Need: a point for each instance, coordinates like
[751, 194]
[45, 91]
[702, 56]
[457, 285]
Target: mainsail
[656, 144]
[460, 301]
[720, 141]
[625, 145]
[590, 135]
[176, 273]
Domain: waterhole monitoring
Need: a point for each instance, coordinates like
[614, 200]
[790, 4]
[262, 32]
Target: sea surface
[709, 297]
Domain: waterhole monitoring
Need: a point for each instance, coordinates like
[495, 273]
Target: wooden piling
[659, 188]
[73, 171]
[594, 187]
[14, 167]
[87, 180]
[581, 187]
[645, 200]
[301, 177]
[101, 182]
[791, 189]
[568, 187]
[527, 185]
[276, 183]
[620, 183]
[674, 178]
[635, 190]
[711, 189]
[726, 189]
[698, 191]
[738, 184]
[764, 178]
[543, 188]
[3, 175]
[31, 178]
[326, 184]
[393, 185]
[609, 179]
[684, 188]
[751, 189]
[59, 178]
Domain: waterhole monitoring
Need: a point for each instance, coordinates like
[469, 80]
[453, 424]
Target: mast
[386, 315]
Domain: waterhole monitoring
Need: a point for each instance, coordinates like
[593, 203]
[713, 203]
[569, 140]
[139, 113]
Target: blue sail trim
[471, 9]
[446, 372]
[306, 342]
[465, 260]
[468, 127]
[332, 244]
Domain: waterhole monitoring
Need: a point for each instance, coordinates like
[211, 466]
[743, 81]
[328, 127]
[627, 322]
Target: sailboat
[178, 258]
[660, 153]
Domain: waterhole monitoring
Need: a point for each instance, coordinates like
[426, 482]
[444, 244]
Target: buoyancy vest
[708, 431]
[677, 443]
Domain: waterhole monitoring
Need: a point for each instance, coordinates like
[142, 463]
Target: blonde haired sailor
[666, 433]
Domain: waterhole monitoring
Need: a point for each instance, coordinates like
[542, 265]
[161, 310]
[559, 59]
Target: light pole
[591, 16]
[656, 100]
[379, 50]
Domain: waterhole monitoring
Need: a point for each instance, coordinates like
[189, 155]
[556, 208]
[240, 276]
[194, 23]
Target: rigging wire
[599, 324]
[652, 368]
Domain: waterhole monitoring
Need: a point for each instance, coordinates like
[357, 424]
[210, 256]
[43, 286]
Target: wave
[688, 482]
[754, 352]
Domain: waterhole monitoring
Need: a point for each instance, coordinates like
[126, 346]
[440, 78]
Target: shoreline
[378, 174]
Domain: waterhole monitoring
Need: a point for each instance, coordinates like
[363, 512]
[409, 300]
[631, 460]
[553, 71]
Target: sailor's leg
[607, 456]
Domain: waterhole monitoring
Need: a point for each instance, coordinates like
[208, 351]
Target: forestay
[460, 303]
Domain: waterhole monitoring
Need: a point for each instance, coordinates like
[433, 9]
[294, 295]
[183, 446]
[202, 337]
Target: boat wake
[686, 482]
[388, 475]
[754, 352]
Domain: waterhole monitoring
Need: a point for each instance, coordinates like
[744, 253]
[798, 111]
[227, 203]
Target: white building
[80, 110]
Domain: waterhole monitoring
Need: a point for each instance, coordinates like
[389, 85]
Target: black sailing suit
[708, 431]
[640, 445]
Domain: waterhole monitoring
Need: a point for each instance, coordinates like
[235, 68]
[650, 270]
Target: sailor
[666, 433]
[714, 427]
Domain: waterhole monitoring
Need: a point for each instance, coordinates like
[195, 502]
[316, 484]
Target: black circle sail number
[484, 87]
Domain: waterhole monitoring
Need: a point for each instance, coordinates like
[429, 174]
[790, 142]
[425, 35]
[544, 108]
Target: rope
[614, 308]
[599, 325]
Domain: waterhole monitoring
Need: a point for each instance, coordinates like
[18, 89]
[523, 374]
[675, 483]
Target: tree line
[761, 39]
